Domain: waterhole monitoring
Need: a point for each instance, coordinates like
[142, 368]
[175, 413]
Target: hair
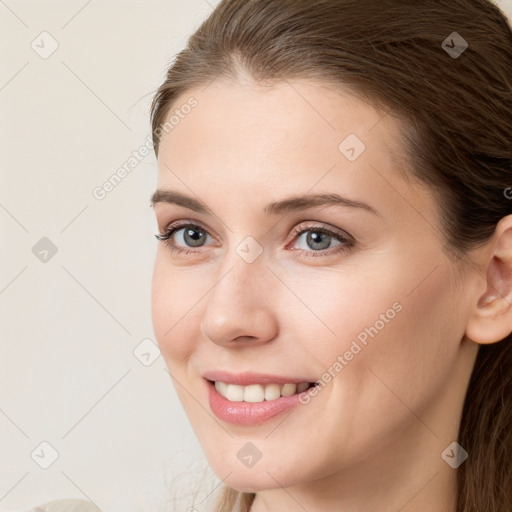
[456, 114]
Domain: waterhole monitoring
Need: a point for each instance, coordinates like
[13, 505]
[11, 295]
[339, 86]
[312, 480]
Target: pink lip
[247, 378]
[247, 413]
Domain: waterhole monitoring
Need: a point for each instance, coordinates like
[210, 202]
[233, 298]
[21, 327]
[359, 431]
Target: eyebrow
[290, 204]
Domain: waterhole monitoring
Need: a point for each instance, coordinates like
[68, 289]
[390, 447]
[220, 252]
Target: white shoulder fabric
[67, 506]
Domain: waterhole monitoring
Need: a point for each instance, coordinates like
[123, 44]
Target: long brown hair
[455, 104]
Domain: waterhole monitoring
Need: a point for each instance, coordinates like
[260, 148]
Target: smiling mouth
[256, 393]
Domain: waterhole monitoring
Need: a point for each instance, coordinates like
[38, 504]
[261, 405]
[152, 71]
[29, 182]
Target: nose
[239, 309]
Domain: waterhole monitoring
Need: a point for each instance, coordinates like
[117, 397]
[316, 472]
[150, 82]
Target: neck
[410, 477]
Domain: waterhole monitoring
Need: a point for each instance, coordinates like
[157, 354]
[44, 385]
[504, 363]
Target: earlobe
[491, 318]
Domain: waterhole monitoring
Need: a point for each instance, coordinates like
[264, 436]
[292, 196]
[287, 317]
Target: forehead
[272, 128]
[283, 138]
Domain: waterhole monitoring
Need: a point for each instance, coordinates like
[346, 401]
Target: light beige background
[70, 324]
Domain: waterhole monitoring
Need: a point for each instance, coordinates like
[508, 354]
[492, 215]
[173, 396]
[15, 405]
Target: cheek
[412, 364]
[338, 308]
[393, 322]
[175, 304]
[398, 342]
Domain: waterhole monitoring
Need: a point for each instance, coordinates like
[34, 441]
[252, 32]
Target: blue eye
[318, 240]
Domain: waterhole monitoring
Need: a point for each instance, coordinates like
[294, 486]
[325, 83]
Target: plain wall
[69, 325]
[70, 321]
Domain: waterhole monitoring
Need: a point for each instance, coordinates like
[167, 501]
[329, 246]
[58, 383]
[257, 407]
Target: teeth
[234, 393]
[254, 393]
[221, 387]
[258, 392]
[272, 391]
[289, 389]
[302, 387]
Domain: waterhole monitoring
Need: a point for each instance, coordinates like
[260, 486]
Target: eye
[318, 241]
[192, 234]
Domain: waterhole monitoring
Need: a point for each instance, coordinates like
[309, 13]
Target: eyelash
[346, 243]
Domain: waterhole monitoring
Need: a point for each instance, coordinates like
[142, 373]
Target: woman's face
[312, 259]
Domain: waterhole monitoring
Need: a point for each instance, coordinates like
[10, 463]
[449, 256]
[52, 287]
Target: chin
[262, 476]
[255, 482]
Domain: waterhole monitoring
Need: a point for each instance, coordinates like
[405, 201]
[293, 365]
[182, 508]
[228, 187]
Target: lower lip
[248, 413]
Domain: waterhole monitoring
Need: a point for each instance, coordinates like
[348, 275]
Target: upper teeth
[258, 392]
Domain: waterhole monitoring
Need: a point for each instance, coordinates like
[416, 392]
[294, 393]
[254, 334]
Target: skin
[372, 438]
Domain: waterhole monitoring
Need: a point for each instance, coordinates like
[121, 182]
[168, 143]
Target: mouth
[251, 399]
[257, 393]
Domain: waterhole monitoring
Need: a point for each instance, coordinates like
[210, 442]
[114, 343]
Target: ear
[490, 320]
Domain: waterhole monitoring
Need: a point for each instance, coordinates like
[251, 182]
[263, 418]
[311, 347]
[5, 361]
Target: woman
[333, 291]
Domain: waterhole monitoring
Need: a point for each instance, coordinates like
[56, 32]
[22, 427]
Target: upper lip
[248, 378]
